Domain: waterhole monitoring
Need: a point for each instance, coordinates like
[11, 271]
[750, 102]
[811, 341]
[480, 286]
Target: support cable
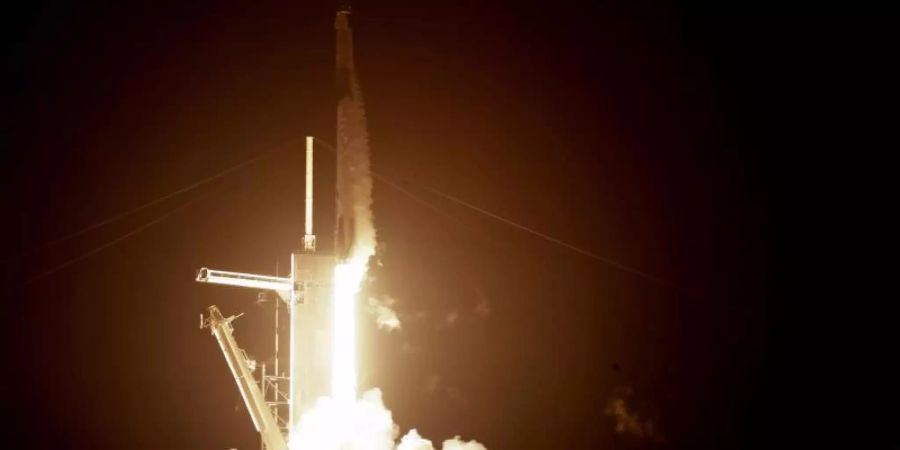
[115, 241]
[149, 224]
[160, 199]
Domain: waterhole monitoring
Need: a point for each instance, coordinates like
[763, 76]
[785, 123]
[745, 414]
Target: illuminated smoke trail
[385, 316]
[344, 421]
[355, 234]
[365, 425]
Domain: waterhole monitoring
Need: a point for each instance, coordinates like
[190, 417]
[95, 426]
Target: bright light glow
[347, 279]
[343, 421]
[365, 424]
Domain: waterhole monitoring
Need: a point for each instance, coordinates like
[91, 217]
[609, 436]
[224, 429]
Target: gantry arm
[281, 285]
[237, 361]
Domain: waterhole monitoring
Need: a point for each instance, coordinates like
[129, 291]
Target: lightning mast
[309, 239]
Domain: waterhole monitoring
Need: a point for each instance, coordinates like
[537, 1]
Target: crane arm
[262, 417]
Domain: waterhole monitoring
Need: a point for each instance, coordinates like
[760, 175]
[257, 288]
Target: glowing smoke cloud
[355, 227]
[385, 316]
[365, 425]
[627, 421]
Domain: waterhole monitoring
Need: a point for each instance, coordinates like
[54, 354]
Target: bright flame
[347, 279]
[343, 421]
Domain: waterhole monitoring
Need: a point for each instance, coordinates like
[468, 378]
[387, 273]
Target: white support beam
[249, 280]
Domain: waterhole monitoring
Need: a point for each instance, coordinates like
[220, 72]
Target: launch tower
[276, 401]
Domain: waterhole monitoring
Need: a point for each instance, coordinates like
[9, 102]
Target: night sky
[645, 136]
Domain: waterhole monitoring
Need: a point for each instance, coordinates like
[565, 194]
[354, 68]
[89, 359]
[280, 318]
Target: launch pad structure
[277, 400]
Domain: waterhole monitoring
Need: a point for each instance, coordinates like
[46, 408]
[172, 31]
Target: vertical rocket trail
[355, 233]
[345, 421]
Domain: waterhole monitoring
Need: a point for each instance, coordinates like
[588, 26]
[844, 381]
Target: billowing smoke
[385, 316]
[365, 425]
[355, 168]
[356, 228]
[627, 421]
[412, 441]
[482, 309]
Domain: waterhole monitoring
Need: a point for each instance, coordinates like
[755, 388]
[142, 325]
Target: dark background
[665, 138]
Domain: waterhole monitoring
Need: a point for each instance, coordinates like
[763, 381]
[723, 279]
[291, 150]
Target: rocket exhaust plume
[347, 279]
[343, 420]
